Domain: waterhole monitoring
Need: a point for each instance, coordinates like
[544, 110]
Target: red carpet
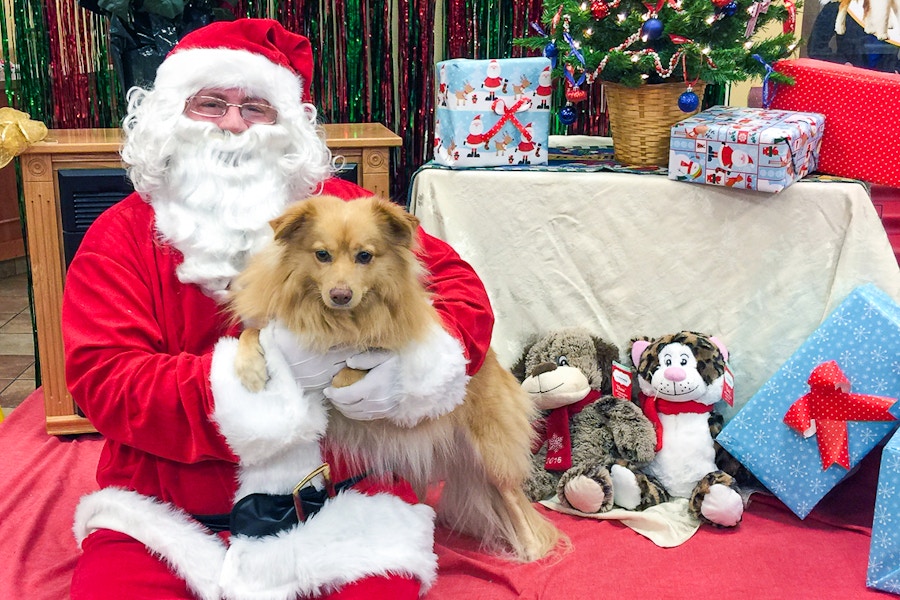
[771, 554]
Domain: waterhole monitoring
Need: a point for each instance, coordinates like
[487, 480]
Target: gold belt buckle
[325, 471]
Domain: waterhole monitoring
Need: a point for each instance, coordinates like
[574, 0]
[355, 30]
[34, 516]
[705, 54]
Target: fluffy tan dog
[345, 274]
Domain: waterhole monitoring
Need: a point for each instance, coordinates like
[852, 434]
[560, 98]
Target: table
[365, 144]
[628, 255]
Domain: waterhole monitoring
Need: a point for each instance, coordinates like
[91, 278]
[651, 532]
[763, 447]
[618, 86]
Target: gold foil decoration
[17, 132]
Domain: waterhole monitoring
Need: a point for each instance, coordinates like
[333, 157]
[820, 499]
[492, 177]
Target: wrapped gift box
[748, 148]
[861, 138]
[884, 550]
[862, 337]
[493, 112]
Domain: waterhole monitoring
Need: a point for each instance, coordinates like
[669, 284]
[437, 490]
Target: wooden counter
[365, 144]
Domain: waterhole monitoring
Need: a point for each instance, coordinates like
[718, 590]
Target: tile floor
[16, 341]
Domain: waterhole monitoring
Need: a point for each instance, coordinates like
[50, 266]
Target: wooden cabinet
[366, 145]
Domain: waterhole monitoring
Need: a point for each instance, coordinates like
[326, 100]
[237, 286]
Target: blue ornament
[567, 115]
[729, 9]
[652, 29]
[551, 51]
[688, 101]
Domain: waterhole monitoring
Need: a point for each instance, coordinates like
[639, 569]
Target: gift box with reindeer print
[746, 148]
[491, 113]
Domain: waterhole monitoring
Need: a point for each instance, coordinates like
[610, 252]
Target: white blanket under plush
[667, 525]
[627, 255]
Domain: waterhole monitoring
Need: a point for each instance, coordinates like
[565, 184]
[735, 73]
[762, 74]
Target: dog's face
[347, 250]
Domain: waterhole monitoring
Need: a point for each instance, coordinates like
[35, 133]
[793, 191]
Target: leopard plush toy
[681, 377]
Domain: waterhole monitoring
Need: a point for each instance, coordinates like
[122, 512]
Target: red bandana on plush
[653, 407]
[831, 404]
[557, 435]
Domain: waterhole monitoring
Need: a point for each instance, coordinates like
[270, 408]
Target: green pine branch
[709, 43]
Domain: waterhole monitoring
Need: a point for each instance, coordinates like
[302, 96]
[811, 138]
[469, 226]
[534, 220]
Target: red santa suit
[147, 361]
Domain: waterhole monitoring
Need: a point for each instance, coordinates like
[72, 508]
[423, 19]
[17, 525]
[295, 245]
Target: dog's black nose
[341, 295]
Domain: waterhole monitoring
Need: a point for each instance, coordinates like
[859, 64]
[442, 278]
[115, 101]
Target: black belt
[258, 515]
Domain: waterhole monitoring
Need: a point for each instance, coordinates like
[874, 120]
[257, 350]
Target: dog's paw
[347, 376]
[251, 371]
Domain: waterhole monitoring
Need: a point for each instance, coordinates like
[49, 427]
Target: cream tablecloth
[628, 254]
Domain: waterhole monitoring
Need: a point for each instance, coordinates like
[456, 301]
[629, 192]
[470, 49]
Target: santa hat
[258, 56]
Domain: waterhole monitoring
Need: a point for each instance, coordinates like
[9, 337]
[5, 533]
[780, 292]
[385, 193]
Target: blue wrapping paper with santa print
[491, 113]
[861, 337]
[746, 148]
[884, 549]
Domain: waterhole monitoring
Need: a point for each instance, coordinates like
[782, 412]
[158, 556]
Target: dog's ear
[399, 225]
[293, 220]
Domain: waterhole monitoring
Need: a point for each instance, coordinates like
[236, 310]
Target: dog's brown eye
[323, 256]
[364, 258]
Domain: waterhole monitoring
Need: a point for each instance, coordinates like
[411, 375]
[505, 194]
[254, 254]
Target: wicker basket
[641, 119]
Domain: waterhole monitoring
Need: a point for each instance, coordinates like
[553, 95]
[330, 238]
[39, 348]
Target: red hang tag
[728, 387]
[621, 381]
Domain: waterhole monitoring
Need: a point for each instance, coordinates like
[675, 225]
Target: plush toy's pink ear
[636, 350]
[721, 346]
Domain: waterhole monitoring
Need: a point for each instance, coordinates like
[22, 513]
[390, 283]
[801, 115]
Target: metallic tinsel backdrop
[375, 57]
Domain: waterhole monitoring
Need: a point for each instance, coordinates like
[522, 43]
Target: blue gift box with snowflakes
[884, 551]
[493, 112]
[827, 407]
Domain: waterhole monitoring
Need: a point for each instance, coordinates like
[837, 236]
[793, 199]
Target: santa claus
[544, 90]
[731, 158]
[492, 83]
[475, 138]
[527, 146]
[208, 490]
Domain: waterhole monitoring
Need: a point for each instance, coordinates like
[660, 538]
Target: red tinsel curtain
[375, 61]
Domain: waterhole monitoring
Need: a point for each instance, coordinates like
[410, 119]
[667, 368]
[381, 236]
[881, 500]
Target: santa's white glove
[312, 370]
[424, 380]
[376, 394]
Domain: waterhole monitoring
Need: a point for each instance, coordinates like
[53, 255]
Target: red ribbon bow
[508, 114]
[825, 410]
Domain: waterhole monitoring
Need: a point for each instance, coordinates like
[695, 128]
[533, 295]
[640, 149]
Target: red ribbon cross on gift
[825, 410]
[509, 114]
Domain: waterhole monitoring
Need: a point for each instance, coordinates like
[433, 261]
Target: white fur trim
[192, 552]
[352, 537]
[190, 70]
[432, 377]
[262, 425]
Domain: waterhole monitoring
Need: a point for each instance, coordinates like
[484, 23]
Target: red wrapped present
[862, 133]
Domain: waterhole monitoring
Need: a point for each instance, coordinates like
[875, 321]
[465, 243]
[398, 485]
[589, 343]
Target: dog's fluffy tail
[504, 520]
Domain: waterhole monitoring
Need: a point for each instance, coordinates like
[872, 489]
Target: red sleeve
[138, 343]
[459, 297]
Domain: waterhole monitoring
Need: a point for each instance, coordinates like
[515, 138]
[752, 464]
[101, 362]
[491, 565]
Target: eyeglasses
[252, 112]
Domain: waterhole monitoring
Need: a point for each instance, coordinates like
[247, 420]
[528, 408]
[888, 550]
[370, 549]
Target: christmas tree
[634, 43]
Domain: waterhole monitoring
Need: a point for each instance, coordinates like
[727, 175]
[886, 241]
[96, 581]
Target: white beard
[219, 195]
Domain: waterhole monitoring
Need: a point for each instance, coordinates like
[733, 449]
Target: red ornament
[720, 3]
[599, 9]
[574, 94]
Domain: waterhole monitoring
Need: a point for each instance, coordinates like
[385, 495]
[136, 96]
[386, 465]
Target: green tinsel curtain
[375, 60]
